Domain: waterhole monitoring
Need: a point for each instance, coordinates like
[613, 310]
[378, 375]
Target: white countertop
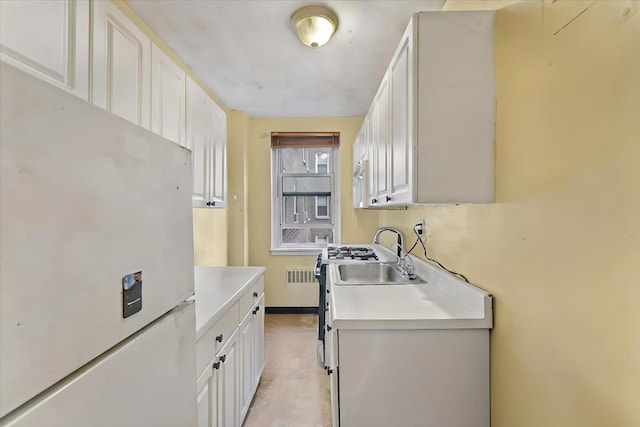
[217, 289]
[444, 302]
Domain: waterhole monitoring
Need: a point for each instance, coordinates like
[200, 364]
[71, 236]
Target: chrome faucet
[404, 263]
[376, 238]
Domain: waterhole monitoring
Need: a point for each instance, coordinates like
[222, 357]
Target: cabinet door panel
[198, 130]
[381, 141]
[219, 156]
[48, 39]
[247, 360]
[121, 65]
[258, 348]
[167, 97]
[228, 414]
[401, 142]
[207, 397]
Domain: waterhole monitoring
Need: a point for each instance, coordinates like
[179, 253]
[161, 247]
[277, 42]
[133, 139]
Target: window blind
[304, 139]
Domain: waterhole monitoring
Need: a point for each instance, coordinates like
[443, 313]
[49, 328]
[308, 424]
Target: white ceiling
[248, 55]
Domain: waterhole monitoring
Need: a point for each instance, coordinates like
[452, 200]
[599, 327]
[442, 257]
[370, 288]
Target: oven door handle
[318, 267]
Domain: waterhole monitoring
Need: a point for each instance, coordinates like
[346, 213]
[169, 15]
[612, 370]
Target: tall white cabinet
[433, 118]
[48, 39]
[121, 64]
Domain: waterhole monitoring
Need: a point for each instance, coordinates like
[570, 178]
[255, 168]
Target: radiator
[299, 277]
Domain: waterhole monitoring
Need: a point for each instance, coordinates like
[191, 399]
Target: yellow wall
[356, 227]
[237, 128]
[560, 248]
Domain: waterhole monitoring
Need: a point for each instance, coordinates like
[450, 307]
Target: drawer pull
[219, 338]
[216, 365]
[223, 358]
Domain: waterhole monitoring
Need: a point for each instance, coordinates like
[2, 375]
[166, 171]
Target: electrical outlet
[419, 229]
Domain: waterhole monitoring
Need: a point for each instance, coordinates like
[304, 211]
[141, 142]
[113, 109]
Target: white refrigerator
[96, 262]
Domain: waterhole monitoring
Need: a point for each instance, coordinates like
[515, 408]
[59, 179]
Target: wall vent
[300, 277]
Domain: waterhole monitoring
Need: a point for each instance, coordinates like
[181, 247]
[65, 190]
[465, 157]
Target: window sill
[296, 251]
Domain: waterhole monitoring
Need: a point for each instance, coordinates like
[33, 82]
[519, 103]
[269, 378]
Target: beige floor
[294, 390]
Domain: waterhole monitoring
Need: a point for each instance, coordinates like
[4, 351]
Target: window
[305, 205]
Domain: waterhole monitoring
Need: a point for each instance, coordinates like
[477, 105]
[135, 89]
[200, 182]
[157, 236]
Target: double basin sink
[378, 273]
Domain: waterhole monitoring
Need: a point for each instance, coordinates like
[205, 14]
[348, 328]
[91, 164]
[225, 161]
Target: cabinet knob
[328, 328]
[255, 295]
[212, 203]
[257, 309]
[326, 309]
[329, 371]
[219, 338]
[254, 311]
[208, 203]
[328, 291]
[374, 201]
[388, 198]
[223, 358]
[216, 365]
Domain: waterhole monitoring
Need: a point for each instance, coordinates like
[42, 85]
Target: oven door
[321, 275]
[360, 180]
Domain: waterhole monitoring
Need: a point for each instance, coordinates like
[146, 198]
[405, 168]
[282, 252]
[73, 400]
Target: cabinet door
[258, 346]
[331, 354]
[228, 396]
[219, 157]
[381, 132]
[167, 97]
[401, 132]
[121, 65]
[198, 130]
[208, 396]
[48, 39]
[247, 356]
[371, 154]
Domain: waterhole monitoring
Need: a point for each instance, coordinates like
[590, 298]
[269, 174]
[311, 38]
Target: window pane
[293, 236]
[303, 210]
[306, 184]
[305, 160]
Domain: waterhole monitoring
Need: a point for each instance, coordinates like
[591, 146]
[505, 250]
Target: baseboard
[291, 310]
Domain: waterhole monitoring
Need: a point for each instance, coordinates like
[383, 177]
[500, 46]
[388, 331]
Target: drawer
[215, 338]
[249, 299]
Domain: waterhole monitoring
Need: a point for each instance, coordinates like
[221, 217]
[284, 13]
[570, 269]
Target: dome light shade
[314, 25]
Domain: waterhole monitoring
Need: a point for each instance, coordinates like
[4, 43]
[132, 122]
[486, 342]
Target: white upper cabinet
[206, 130]
[168, 86]
[121, 65]
[381, 142]
[48, 39]
[218, 194]
[401, 129]
[199, 126]
[433, 115]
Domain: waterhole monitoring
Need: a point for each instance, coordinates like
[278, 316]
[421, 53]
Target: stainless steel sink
[373, 274]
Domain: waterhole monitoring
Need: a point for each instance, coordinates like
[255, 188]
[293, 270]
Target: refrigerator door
[86, 198]
[148, 380]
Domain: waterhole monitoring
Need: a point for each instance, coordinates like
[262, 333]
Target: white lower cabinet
[229, 380]
[252, 350]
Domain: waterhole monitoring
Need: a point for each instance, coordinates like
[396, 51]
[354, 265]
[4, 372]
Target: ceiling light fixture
[314, 25]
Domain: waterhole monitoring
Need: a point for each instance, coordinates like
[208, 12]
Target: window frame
[277, 199]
